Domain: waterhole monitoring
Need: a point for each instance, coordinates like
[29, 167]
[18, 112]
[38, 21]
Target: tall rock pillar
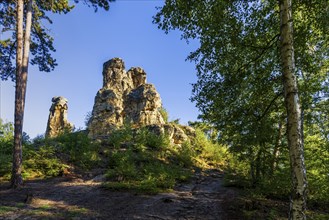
[125, 97]
[57, 120]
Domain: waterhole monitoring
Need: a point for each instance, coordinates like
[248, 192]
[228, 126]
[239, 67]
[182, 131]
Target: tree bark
[16, 177]
[294, 126]
[22, 59]
[276, 151]
[27, 42]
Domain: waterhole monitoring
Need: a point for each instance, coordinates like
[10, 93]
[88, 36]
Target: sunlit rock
[57, 120]
[126, 97]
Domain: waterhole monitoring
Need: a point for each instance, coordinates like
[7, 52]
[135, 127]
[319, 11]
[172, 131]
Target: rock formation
[177, 134]
[124, 98]
[127, 98]
[57, 120]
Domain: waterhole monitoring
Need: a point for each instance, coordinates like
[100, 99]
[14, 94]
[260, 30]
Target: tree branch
[264, 49]
[269, 106]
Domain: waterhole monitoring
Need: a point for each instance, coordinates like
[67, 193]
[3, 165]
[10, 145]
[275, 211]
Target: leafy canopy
[239, 88]
[238, 63]
[42, 47]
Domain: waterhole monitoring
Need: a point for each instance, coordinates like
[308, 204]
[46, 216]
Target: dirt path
[204, 197]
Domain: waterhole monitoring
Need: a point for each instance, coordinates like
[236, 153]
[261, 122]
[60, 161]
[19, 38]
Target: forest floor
[73, 197]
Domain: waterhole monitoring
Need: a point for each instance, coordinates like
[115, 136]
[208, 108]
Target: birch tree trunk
[22, 59]
[294, 123]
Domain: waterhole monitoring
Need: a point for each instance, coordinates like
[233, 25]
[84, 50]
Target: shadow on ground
[204, 197]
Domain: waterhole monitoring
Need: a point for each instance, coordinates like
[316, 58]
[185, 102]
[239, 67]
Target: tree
[294, 122]
[31, 12]
[6, 132]
[246, 48]
[16, 178]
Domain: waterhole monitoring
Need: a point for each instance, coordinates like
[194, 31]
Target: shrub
[41, 162]
[145, 162]
[184, 155]
[82, 151]
[211, 152]
[144, 138]
[121, 136]
[6, 147]
[164, 114]
[149, 175]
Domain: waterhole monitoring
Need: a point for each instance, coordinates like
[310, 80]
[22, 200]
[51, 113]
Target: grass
[6, 209]
[142, 161]
[135, 159]
[145, 162]
[317, 215]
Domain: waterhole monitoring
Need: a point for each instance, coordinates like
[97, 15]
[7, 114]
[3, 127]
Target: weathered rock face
[177, 134]
[57, 120]
[125, 97]
[142, 106]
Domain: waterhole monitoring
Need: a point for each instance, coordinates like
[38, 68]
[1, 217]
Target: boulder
[176, 133]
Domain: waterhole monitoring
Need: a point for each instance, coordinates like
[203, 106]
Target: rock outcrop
[57, 120]
[124, 98]
[177, 134]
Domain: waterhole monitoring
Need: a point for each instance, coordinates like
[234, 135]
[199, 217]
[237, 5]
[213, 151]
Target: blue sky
[84, 40]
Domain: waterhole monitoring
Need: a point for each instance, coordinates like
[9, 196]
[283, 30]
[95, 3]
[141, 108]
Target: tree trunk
[22, 59]
[27, 42]
[16, 178]
[294, 127]
[276, 151]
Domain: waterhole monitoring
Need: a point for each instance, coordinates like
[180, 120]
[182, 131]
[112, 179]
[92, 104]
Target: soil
[72, 197]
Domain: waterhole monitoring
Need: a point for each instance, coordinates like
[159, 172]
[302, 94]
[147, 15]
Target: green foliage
[143, 161]
[209, 151]
[41, 162]
[49, 157]
[6, 130]
[81, 150]
[144, 138]
[184, 155]
[237, 173]
[88, 118]
[175, 121]
[208, 129]
[239, 89]
[6, 146]
[142, 171]
[6, 209]
[122, 136]
[42, 47]
[164, 114]
[41, 42]
[277, 186]
[316, 215]
[140, 160]
[38, 162]
[317, 162]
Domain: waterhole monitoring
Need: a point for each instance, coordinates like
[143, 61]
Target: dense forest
[262, 91]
